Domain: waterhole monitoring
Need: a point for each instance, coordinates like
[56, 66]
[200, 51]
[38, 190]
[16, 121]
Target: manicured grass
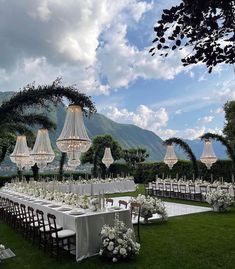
[197, 241]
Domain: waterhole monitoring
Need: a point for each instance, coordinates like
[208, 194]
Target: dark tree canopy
[96, 152]
[229, 127]
[135, 156]
[186, 148]
[207, 27]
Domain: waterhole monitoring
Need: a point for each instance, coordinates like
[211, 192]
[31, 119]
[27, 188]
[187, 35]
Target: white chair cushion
[64, 233]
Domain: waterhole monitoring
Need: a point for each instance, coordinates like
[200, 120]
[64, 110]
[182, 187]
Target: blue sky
[102, 47]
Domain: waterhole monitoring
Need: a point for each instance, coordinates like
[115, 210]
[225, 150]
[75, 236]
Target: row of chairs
[181, 191]
[33, 226]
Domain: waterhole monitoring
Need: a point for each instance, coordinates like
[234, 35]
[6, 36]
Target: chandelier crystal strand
[107, 159]
[20, 155]
[74, 158]
[73, 137]
[208, 155]
[30, 162]
[170, 158]
[42, 151]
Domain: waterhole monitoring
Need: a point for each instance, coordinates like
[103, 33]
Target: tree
[134, 156]
[96, 152]
[206, 27]
[188, 151]
[61, 166]
[15, 118]
[229, 127]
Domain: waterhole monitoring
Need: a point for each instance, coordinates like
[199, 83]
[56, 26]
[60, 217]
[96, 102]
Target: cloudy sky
[102, 47]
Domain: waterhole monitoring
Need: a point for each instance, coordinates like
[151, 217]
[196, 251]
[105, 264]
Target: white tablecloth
[87, 226]
[95, 188]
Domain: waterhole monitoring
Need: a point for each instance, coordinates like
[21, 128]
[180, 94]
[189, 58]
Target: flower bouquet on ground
[2, 248]
[150, 206]
[118, 242]
[220, 200]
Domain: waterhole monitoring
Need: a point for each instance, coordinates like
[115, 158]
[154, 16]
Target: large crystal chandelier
[73, 137]
[20, 156]
[107, 159]
[42, 151]
[74, 158]
[170, 158]
[208, 156]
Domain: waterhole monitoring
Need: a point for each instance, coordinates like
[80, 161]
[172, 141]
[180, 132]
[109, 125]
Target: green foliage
[229, 127]
[134, 156]
[61, 167]
[96, 152]
[205, 27]
[147, 171]
[186, 148]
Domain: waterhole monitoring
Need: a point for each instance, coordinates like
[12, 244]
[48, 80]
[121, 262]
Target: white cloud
[143, 117]
[206, 119]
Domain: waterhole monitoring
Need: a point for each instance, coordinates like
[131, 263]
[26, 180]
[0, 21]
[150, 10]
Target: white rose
[111, 235]
[110, 247]
[120, 241]
[122, 251]
[114, 260]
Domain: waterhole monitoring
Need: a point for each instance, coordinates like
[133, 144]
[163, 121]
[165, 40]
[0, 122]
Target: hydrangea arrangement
[150, 206]
[220, 200]
[118, 242]
[2, 248]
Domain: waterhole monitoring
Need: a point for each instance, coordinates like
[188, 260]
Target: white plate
[76, 213]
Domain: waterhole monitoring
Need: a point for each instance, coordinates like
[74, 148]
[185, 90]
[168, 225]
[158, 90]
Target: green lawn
[205, 241]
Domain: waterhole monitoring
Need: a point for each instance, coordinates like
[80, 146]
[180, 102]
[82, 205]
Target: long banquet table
[95, 188]
[87, 226]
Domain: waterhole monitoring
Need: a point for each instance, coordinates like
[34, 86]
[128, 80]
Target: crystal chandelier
[170, 158]
[107, 159]
[74, 158]
[20, 155]
[73, 137]
[208, 156]
[42, 152]
[30, 162]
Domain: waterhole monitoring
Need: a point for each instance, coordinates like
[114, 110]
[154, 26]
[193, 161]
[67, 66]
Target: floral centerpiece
[2, 248]
[220, 200]
[150, 206]
[94, 203]
[117, 242]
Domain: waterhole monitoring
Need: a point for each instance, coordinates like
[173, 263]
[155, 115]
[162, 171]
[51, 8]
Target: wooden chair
[33, 224]
[109, 201]
[194, 195]
[148, 189]
[43, 230]
[160, 189]
[212, 188]
[175, 190]
[60, 238]
[24, 220]
[203, 191]
[122, 202]
[167, 191]
[154, 188]
[135, 213]
[184, 193]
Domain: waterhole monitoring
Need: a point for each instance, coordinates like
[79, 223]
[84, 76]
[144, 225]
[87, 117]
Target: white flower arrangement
[220, 200]
[117, 242]
[94, 204]
[150, 206]
[2, 248]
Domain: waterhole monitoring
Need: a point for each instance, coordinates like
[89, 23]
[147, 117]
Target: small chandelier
[107, 159]
[208, 156]
[42, 152]
[20, 155]
[73, 136]
[74, 158]
[170, 158]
